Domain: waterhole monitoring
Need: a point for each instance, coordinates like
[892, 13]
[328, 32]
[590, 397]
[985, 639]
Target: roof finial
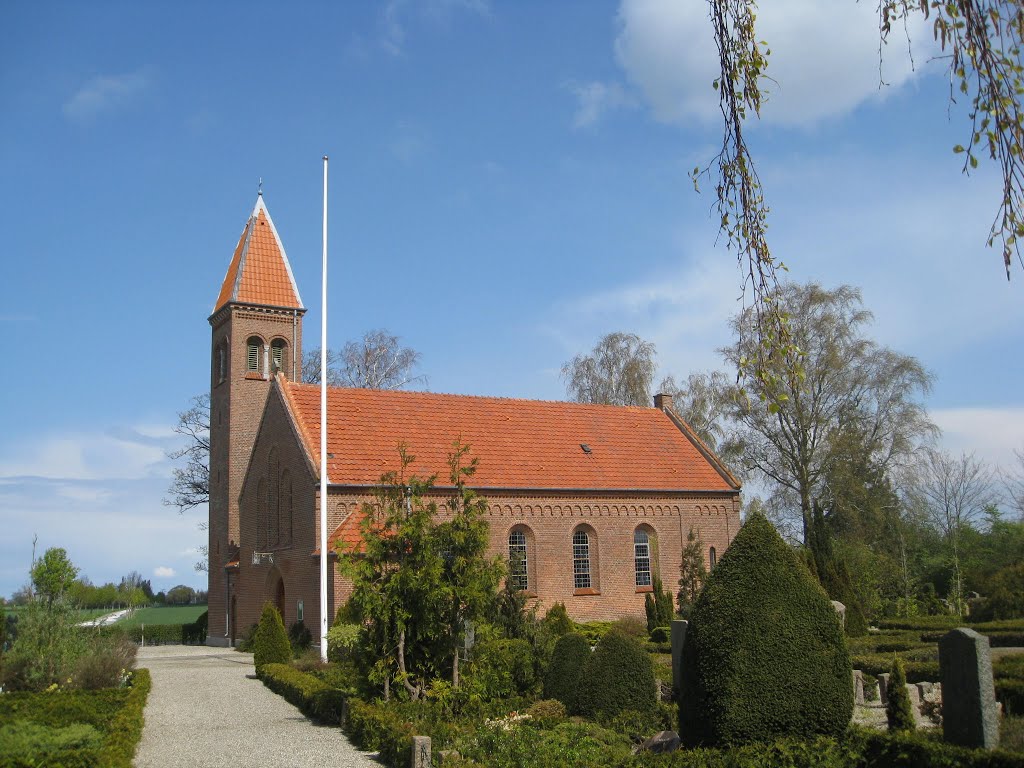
[259, 193]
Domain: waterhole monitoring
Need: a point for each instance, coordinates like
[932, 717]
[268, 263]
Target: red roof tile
[259, 272]
[527, 444]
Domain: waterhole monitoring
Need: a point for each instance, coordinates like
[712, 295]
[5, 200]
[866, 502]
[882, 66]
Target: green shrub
[619, 676]
[765, 655]
[557, 620]
[343, 641]
[501, 668]
[107, 664]
[310, 694]
[245, 642]
[564, 678]
[547, 712]
[24, 742]
[630, 626]
[1011, 734]
[46, 649]
[376, 727]
[1011, 694]
[300, 637]
[898, 710]
[662, 635]
[270, 643]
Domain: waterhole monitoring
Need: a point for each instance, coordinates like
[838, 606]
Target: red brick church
[589, 501]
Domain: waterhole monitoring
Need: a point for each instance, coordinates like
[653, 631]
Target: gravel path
[203, 710]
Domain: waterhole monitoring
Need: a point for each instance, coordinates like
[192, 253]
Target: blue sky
[508, 183]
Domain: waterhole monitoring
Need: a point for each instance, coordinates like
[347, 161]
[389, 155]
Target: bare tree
[844, 382]
[619, 371]
[953, 492]
[190, 486]
[376, 361]
[702, 400]
[1014, 482]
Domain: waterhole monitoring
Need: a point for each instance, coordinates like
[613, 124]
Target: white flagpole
[323, 438]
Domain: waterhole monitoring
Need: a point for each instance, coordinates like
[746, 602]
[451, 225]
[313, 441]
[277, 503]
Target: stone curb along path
[204, 710]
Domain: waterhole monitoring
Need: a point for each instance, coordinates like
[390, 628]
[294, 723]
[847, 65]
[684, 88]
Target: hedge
[1011, 694]
[917, 671]
[114, 712]
[858, 748]
[564, 680]
[996, 638]
[618, 676]
[162, 634]
[317, 699]
[376, 727]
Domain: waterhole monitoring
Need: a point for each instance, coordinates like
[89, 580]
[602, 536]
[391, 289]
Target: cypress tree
[898, 709]
[270, 643]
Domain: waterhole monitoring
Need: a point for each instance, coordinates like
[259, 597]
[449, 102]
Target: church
[588, 503]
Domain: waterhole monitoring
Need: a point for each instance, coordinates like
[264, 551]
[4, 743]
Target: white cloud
[595, 99]
[683, 311]
[991, 434]
[163, 572]
[824, 57]
[104, 92]
[394, 17]
[123, 454]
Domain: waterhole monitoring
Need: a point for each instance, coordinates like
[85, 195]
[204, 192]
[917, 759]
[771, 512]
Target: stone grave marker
[970, 717]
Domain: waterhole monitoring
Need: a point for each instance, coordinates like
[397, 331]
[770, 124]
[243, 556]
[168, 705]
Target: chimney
[662, 401]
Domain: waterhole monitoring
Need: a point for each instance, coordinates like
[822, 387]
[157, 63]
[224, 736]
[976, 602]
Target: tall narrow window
[277, 348]
[712, 557]
[642, 557]
[518, 570]
[274, 500]
[261, 514]
[286, 507]
[252, 359]
[581, 560]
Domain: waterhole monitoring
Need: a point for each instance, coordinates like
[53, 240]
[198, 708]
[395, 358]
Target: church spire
[259, 272]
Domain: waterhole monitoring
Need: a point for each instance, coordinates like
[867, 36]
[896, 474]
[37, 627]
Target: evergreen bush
[299, 637]
[898, 709]
[765, 655]
[564, 678]
[270, 642]
[619, 676]
[557, 620]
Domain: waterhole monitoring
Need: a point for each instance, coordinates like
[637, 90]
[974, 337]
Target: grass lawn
[172, 614]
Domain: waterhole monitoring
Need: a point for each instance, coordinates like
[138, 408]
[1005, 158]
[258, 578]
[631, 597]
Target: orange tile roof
[524, 444]
[259, 272]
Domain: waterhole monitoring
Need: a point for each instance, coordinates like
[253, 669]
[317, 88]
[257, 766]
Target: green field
[176, 614]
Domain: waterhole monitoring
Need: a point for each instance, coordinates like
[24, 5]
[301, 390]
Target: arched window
[277, 355]
[642, 557]
[518, 562]
[252, 356]
[712, 557]
[581, 559]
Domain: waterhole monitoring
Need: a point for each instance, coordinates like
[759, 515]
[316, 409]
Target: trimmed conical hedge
[270, 642]
[765, 655]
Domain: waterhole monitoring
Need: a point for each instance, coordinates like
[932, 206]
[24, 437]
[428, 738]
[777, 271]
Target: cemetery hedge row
[115, 712]
[162, 634]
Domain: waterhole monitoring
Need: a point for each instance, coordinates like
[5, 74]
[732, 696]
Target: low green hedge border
[315, 698]
[116, 713]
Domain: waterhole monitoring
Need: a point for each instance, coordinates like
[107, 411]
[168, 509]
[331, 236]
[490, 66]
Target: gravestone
[969, 714]
[420, 757]
[679, 627]
[883, 688]
[661, 743]
[858, 687]
[840, 611]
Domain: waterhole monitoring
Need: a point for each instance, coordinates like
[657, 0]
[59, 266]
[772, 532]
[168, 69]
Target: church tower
[257, 331]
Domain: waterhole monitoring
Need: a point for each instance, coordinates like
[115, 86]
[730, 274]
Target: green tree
[981, 40]
[898, 710]
[417, 581]
[618, 371]
[53, 574]
[270, 643]
[692, 573]
[469, 579]
[840, 380]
